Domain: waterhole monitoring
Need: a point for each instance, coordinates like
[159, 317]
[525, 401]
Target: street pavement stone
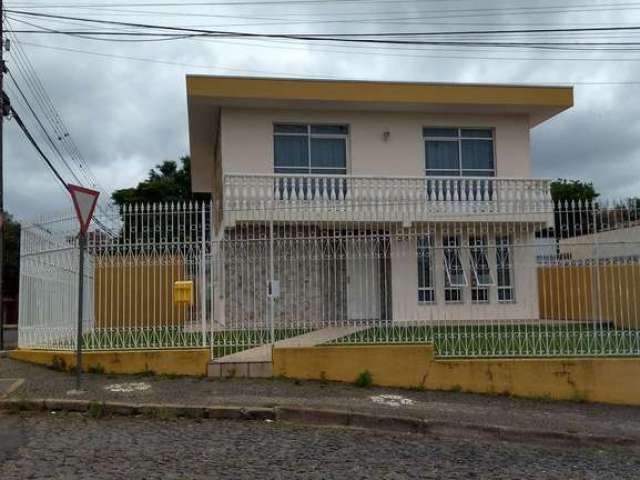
[74, 446]
[564, 417]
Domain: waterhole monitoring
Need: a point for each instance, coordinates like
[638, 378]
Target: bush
[364, 379]
[96, 409]
[58, 364]
[97, 368]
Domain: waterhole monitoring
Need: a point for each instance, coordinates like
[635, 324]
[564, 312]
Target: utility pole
[2, 226]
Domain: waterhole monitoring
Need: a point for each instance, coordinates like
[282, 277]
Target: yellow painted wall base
[165, 362]
[608, 380]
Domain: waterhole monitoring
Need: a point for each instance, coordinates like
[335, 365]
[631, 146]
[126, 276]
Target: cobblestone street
[73, 446]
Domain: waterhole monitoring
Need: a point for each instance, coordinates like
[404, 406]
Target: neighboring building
[431, 181]
[620, 243]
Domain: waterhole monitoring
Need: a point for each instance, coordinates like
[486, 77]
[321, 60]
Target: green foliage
[166, 183]
[58, 364]
[569, 222]
[97, 369]
[364, 379]
[147, 372]
[11, 256]
[164, 414]
[567, 190]
[96, 409]
[579, 396]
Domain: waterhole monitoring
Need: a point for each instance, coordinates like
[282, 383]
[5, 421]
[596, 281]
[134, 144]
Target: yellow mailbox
[183, 292]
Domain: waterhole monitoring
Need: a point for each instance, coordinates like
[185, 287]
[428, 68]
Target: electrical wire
[44, 130]
[51, 114]
[25, 130]
[306, 76]
[366, 38]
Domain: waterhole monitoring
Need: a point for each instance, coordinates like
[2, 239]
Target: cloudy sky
[124, 104]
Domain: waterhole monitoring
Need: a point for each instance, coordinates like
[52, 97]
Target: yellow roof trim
[378, 92]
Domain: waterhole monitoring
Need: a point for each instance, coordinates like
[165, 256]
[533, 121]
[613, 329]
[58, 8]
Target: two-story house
[387, 201]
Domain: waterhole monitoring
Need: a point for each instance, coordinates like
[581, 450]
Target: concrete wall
[609, 293]
[621, 242]
[609, 380]
[166, 362]
[136, 292]
[247, 139]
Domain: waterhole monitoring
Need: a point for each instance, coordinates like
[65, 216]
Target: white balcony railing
[384, 198]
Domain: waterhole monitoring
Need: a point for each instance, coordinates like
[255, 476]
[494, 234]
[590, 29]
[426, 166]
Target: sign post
[84, 201]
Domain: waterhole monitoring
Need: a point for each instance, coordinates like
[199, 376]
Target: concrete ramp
[256, 362]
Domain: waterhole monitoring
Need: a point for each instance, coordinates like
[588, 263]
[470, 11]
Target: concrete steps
[257, 362]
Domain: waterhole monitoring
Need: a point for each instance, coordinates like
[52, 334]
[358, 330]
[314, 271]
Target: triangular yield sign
[84, 201]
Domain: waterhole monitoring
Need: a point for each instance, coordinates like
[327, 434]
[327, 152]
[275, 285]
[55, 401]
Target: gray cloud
[126, 116]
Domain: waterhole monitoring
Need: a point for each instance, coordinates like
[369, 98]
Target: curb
[313, 416]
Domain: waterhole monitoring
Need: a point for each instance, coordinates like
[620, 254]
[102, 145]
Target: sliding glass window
[310, 149]
[464, 152]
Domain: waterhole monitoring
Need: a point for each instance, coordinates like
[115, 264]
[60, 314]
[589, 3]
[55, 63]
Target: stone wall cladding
[311, 266]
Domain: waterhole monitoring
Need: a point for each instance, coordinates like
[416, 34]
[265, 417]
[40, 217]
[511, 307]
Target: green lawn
[464, 341]
[223, 343]
[496, 340]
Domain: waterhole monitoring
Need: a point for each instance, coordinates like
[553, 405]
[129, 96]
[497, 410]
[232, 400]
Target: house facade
[371, 201]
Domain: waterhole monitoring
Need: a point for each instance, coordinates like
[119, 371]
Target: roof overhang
[538, 102]
[207, 94]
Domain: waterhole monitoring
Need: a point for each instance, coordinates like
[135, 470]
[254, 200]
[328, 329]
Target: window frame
[453, 290]
[309, 135]
[424, 244]
[459, 139]
[479, 246]
[505, 242]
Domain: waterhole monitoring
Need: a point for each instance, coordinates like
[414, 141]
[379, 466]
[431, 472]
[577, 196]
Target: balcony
[384, 199]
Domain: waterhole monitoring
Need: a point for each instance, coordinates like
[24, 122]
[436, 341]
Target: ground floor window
[504, 268]
[481, 278]
[467, 263]
[426, 291]
[454, 275]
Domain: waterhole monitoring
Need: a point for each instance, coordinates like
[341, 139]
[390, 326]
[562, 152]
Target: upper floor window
[305, 149]
[459, 152]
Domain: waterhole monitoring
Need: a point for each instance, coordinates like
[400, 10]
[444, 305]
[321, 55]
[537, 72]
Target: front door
[363, 283]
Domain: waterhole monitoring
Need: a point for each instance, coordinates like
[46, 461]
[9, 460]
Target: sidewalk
[443, 407]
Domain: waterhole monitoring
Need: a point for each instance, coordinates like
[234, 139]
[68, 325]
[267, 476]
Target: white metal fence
[129, 279]
[564, 283]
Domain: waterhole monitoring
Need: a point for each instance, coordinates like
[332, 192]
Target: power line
[366, 38]
[44, 130]
[426, 14]
[25, 130]
[85, 34]
[42, 99]
[306, 76]
[51, 113]
[224, 3]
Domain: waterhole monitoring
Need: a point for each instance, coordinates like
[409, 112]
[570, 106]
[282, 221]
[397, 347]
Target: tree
[563, 190]
[166, 183]
[11, 253]
[574, 207]
[177, 224]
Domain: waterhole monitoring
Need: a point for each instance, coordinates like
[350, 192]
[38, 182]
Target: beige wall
[247, 139]
[620, 242]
